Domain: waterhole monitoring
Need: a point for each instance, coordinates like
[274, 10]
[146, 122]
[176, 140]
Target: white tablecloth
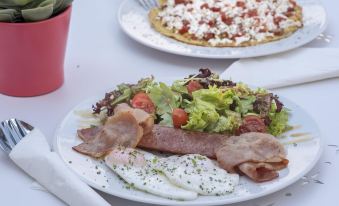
[99, 55]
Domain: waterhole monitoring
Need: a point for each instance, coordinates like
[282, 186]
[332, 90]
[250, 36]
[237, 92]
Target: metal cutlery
[11, 132]
[148, 4]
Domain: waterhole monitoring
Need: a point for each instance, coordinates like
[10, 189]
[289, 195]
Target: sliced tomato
[252, 123]
[179, 117]
[193, 86]
[142, 101]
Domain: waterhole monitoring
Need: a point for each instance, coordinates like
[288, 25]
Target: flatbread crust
[186, 38]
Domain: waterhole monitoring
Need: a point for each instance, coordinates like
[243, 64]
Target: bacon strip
[144, 119]
[120, 129]
[257, 155]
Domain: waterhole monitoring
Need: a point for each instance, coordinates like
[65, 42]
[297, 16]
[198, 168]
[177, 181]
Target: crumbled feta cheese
[240, 20]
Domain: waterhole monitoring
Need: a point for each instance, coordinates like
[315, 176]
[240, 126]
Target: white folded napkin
[33, 155]
[285, 69]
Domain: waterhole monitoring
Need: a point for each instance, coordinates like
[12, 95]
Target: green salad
[202, 102]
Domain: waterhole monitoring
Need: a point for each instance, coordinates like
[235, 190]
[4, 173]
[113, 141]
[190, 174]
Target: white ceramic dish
[134, 22]
[302, 156]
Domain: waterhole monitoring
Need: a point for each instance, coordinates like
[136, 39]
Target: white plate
[134, 21]
[302, 156]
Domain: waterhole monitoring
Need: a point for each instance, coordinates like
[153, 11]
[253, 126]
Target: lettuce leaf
[242, 90]
[201, 115]
[279, 122]
[178, 86]
[166, 120]
[219, 99]
[164, 98]
[245, 104]
[228, 124]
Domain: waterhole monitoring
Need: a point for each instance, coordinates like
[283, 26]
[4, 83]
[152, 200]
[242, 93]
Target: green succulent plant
[30, 10]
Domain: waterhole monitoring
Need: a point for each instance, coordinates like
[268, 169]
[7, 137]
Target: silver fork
[148, 4]
[11, 132]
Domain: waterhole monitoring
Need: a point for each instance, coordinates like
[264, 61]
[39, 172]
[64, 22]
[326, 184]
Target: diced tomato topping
[208, 36]
[183, 30]
[204, 6]
[193, 86]
[290, 9]
[237, 35]
[211, 23]
[240, 4]
[289, 14]
[278, 32]
[263, 30]
[182, 1]
[179, 117]
[142, 101]
[277, 20]
[185, 27]
[252, 13]
[215, 9]
[252, 123]
[224, 35]
[227, 20]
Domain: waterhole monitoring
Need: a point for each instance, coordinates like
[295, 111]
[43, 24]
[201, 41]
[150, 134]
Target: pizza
[226, 23]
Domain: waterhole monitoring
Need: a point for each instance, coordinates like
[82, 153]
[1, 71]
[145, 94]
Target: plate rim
[164, 201]
[207, 56]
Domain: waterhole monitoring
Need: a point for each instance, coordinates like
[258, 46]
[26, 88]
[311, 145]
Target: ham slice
[120, 129]
[257, 155]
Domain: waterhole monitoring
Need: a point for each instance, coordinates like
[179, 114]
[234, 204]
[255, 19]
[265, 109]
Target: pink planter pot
[32, 55]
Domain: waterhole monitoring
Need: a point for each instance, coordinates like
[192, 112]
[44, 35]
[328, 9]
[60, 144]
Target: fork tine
[8, 139]
[3, 145]
[24, 127]
[155, 3]
[142, 3]
[15, 127]
[13, 134]
[148, 4]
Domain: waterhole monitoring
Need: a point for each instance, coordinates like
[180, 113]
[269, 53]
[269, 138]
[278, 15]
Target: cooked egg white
[138, 168]
[198, 173]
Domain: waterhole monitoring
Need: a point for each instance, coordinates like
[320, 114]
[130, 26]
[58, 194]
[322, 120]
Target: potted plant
[33, 36]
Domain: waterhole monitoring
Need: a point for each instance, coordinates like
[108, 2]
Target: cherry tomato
[193, 86]
[179, 117]
[142, 101]
[252, 123]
